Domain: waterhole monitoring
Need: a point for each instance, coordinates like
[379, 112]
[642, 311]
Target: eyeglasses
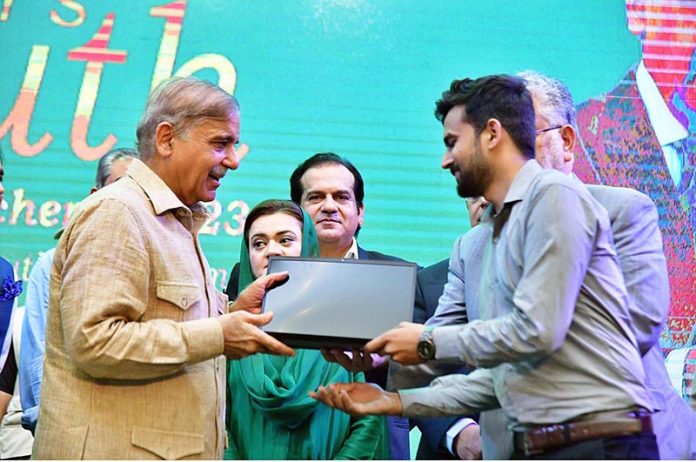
[539, 132]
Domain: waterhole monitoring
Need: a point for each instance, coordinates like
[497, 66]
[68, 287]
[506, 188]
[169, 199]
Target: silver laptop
[338, 303]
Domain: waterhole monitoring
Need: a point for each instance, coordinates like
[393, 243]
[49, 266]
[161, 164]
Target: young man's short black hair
[501, 97]
[326, 158]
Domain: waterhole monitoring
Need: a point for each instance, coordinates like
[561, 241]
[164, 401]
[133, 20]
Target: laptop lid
[338, 303]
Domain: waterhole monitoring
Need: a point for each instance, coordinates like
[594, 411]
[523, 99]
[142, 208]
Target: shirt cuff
[454, 431]
[409, 398]
[205, 339]
[418, 402]
[29, 417]
[448, 346]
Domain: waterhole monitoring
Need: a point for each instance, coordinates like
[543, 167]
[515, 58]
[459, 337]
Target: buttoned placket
[193, 222]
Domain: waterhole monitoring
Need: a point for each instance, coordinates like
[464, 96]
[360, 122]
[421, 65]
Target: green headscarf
[269, 412]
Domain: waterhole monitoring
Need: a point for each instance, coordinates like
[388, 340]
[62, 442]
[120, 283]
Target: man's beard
[473, 181]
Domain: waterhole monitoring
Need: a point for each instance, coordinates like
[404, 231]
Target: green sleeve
[231, 451]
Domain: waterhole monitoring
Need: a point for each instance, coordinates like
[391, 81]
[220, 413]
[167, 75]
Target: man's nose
[231, 160]
[329, 204]
[447, 160]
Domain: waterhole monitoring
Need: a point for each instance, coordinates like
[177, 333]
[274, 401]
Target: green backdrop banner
[355, 77]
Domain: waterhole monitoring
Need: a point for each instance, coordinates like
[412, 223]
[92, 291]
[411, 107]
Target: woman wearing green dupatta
[269, 412]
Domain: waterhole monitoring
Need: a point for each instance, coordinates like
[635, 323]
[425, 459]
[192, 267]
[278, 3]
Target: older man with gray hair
[112, 166]
[136, 330]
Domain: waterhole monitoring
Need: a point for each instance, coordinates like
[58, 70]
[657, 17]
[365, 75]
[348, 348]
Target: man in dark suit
[331, 190]
[429, 284]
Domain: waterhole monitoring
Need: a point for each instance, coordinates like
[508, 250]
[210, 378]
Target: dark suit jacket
[619, 148]
[430, 282]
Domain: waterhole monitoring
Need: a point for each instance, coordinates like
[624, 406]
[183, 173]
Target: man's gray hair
[183, 102]
[107, 160]
[555, 103]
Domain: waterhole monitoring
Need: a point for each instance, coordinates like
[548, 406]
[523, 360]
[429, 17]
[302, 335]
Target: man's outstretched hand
[359, 399]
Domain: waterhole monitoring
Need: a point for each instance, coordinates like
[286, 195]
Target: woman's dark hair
[271, 207]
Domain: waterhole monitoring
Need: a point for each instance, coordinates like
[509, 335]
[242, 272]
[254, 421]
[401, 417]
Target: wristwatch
[426, 345]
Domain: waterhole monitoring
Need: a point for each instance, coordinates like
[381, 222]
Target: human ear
[569, 136]
[164, 134]
[494, 133]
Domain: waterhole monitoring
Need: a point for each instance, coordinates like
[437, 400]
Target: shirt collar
[516, 191]
[522, 180]
[163, 199]
[352, 253]
[667, 128]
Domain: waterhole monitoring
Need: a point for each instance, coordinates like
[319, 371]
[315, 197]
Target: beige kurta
[133, 364]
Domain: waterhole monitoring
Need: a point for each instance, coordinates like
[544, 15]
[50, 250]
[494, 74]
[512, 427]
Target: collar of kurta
[163, 199]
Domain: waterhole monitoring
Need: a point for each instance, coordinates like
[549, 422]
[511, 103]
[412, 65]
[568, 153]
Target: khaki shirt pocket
[70, 444]
[166, 444]
[182, 295]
